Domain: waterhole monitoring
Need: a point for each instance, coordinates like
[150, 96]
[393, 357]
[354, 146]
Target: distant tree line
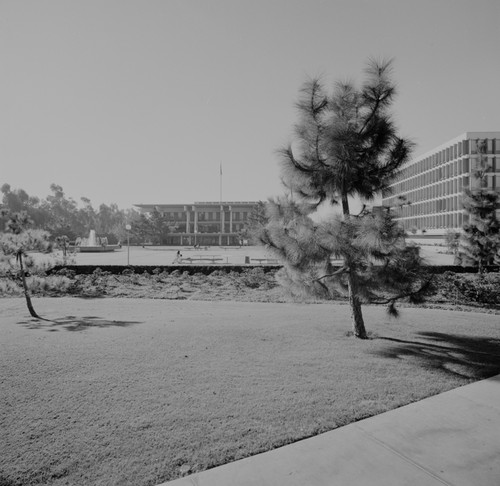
[62, 216]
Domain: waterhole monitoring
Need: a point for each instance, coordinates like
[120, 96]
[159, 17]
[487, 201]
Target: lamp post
[128, 228]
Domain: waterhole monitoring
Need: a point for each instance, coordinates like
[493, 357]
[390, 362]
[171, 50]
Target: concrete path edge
[448, 439]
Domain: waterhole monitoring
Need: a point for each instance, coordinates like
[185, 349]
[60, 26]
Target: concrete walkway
[449, 439]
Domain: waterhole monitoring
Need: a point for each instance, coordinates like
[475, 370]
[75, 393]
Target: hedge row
[208, 269]
[151, 269]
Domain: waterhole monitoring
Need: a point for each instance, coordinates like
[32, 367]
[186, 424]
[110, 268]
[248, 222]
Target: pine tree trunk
[26, 291]
[358, 323]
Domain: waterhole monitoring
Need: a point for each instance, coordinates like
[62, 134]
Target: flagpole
[221, 208]
[220, 185]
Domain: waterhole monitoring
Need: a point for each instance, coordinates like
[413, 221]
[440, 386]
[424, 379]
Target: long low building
[204, 223]
[434, 183]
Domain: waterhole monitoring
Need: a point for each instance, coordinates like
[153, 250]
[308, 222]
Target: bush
[471, 288]
[93, 285]
[66, 272]
[9, 287]
[51, 285]
[452, 241]
[257, 277]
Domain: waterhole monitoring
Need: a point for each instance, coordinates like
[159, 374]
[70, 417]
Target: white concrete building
[434, 183]
[204, 223]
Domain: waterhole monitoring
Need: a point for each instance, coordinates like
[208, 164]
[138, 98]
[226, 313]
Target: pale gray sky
[141, 101]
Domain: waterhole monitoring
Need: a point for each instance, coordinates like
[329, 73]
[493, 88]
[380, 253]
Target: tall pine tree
[345, 145]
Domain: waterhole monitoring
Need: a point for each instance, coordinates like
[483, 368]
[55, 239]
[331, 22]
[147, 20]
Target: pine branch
[338, 272]
[288, 155]
[403, 295]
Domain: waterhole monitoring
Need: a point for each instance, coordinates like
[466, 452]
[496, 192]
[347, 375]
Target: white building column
[188, 219]
[195, 229]
[221, 224]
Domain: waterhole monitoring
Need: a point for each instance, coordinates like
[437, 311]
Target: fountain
[94, 244]
[92, 240]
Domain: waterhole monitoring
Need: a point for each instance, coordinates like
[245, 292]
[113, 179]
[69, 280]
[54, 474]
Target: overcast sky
[141, 101]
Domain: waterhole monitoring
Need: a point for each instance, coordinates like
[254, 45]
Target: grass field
[136, 391]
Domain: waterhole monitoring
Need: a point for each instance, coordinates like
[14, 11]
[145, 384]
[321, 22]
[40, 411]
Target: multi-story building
[204, 223]
[434, 183]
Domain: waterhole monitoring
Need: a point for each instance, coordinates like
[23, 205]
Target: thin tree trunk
[358, 323]
[26, 291]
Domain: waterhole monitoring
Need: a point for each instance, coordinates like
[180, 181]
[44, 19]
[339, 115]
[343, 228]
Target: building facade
[204, 223]
[434, 183]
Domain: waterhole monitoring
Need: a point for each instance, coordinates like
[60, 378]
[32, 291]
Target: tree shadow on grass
[6, 481]
[459, 355]
[74, 323]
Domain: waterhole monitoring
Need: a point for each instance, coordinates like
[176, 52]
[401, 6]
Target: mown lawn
[136, 391]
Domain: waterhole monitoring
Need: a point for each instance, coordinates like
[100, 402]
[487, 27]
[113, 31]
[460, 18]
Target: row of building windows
[452, 186]
[216, 215]
[440, 221]
[467, 147]
[406, 180]
[492, 146]
[210, 227]
[175, 216]
[444, 188]
[207, 216]
[453, 203]
[207, 227]
[428, 192]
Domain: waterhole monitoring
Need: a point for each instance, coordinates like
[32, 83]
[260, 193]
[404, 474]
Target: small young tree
[452, 241]
[345, 146]
[62, 242]
[481, 235]
[160, 226]
[256, 220]
[15, 243]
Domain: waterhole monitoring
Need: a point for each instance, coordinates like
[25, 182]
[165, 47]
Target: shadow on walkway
[74, 323]
[466, 356]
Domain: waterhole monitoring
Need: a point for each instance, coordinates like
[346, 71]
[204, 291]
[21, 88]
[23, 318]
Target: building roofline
[459, 138]
[200, 203]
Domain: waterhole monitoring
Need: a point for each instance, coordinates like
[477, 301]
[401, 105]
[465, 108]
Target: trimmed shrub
[471, 288]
